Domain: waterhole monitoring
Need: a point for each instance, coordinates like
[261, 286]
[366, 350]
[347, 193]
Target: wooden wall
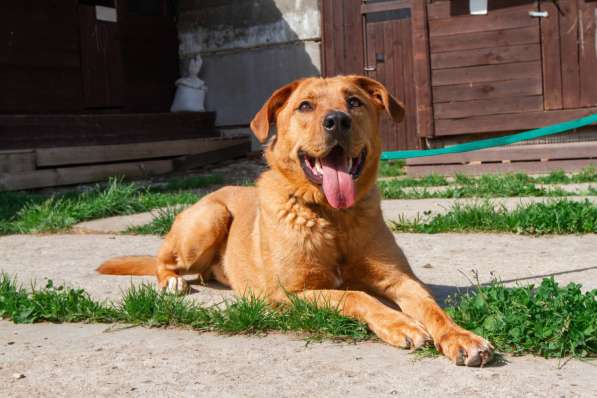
[40, 67]
[483, 65]
[508, 70]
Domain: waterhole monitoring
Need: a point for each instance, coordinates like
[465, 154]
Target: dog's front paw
[465, 348]
[177, 285]
[402, 332]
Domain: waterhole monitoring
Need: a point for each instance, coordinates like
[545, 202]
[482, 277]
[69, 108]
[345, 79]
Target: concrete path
[392, 209]
[90, 361]
[410, 209]
[570, 188]
[100, 360]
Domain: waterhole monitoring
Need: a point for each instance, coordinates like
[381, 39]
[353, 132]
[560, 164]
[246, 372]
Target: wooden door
[389, 59]
[570, 54]
[149, 42]
[101, 56]
[380, 40]
[40, 69]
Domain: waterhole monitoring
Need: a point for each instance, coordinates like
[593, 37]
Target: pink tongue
[338, 185]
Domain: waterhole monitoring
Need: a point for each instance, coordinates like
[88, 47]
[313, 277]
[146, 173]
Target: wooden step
[75, 165]
[44, 131]
[541, 158]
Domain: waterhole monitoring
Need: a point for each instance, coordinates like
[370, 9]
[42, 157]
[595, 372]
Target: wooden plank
[494, 106]
[84, 174]
[422, 70]
[403, 30]
[486, 90]
[550, 46]
[353, 31]
[486, 56]
[510, 18]
[528, 167]
[385, 6]
[43, 131]
[509, 122]
[440, 9]
[327, 38]
[569, 54]
[146, 150]
[17, 161]
[199, 160]
[486, 73]
[588, 52]
[575, 150]
[496, 38]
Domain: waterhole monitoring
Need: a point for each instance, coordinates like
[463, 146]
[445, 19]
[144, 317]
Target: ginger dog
[313, 225]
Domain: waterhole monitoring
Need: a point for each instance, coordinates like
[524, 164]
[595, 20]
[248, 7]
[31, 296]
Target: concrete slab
[443, 261]
[88, 360]
[107, 360]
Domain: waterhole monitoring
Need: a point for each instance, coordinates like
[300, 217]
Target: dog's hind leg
[193, 244]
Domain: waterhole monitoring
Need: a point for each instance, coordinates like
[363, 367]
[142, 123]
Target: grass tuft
[23, 213]
[554, 217]
[161, 223]
[548, 320]
[391, 168]
[485, 186]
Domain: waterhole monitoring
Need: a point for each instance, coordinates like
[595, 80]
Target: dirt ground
[99, 360]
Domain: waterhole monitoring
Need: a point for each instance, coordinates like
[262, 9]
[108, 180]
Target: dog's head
[327, 141]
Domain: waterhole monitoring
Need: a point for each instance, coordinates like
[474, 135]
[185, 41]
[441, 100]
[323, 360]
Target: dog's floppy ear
[381, 96]
[260, 124]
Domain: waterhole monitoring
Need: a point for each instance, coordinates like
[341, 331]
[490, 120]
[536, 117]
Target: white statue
[190, 90]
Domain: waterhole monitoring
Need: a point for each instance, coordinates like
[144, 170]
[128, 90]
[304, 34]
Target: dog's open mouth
[336, 172]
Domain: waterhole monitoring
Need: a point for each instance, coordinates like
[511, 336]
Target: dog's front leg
[386, 272]
[391, 326]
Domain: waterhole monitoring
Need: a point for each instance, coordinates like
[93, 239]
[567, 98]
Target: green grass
[161, 223]
[391, 168]
[551, 217]
[26, 213]
[546, 320]
[489, 185]
[193, 182]
[549, 320]
[143, 305]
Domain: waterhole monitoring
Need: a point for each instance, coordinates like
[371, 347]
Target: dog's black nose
[337, 122]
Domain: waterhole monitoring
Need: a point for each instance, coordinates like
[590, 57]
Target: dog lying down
[313, 224]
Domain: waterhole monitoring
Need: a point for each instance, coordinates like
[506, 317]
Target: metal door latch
[369, 68]
[538, 14]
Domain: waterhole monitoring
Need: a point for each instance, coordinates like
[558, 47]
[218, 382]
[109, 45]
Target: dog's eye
[305, 106]
[354, 102]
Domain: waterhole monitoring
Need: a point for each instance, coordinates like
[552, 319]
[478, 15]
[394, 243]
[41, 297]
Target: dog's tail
[129, 265]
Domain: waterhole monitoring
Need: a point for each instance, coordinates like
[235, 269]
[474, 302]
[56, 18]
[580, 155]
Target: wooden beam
[486, 73]
[508, 122]
[421, 70]
[550, 46]
[494, 38]
[575, 150]
[47, 157]
[493, 106]
[488, 90]
[83, 174]
[17, 161]
[202, 159]
[486, 56]
[478, 169]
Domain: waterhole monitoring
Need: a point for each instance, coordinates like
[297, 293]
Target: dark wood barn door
[389, 59]
[380, 40]
[101, 54]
